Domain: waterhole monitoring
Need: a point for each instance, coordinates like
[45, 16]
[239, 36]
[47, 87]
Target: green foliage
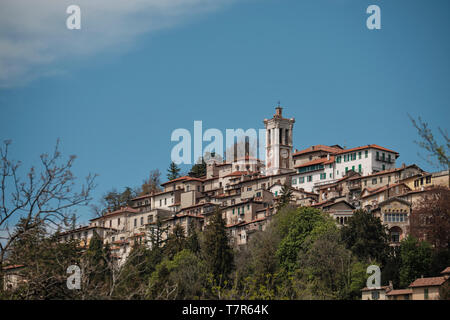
[114, 200]
[285, 196]
[173, 171]
[183, 277]
[46, 261]
[175, 242]
[216, 250]
[416, 257]
[366, 237]
[199, 169]
[133, 276]
[297, 225]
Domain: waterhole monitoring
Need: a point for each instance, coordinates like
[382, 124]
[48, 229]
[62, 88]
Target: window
[381, 179]
[346, 170]
[359, 167]
[366, 153]
[135, 222]
[142, 221]
[359, 155]
[428, 179]
[233, 211]
[150, 219]
[118, 221]
[374, 181]
[365, 183]
[383, 167]
[160, 202]
[323, 176]
[301, 180]
[375, 295]
[425, 293]
[294, 181]
[309, 178]
[353, 168]
[165, 201]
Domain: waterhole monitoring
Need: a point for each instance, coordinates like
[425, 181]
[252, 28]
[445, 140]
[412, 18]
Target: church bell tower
[279, 143]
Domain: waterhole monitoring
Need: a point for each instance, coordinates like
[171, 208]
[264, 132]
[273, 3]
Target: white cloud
[34, 37]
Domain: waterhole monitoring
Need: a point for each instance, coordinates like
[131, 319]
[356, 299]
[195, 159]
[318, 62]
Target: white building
[314, 168]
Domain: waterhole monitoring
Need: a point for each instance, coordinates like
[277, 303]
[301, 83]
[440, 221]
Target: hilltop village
[334, 179]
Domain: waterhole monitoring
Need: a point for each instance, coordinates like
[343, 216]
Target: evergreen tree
[175, 242]
[96, 268]
[173, 172]
[199, 169]
[216, 250]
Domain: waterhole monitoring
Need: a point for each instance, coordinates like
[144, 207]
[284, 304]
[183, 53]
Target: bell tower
[279, 143]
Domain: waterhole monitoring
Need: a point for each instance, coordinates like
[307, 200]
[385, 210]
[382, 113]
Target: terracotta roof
[399, 292]
[121, 210]
[242, 223]
[184, 178]
[316, 161]
[316, 148]
[369, 146]
[427, 282]
[378, 190]
[446, 270]
[240, 173]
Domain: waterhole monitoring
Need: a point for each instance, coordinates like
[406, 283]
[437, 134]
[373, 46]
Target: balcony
[383, 159]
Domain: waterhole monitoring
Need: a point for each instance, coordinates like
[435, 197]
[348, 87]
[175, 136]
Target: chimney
[403, 165]
[391, 286]
[328, 156]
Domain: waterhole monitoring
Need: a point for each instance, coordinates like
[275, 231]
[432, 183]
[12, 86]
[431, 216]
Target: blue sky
[114, 100]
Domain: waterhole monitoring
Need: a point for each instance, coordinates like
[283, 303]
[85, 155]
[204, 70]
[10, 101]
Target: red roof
[399, 292]
[369, 146]
[316, 161]
[316, 148]
[446, 270]
[428, 282]
[184, 178]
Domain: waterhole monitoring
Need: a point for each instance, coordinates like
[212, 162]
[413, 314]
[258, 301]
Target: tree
[45, 261]
[428, 142]
[46, 197]
[96, 269]
[366, 237]
[216, 250]
[175, 242]
[199, 169]
[183, 277]
[295, 225]
[329, 268]
[285, 196]
[416, 257]
[173, 172]
[152, 184]
[431, 218]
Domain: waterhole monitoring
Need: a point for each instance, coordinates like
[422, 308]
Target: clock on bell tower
[279, 143]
